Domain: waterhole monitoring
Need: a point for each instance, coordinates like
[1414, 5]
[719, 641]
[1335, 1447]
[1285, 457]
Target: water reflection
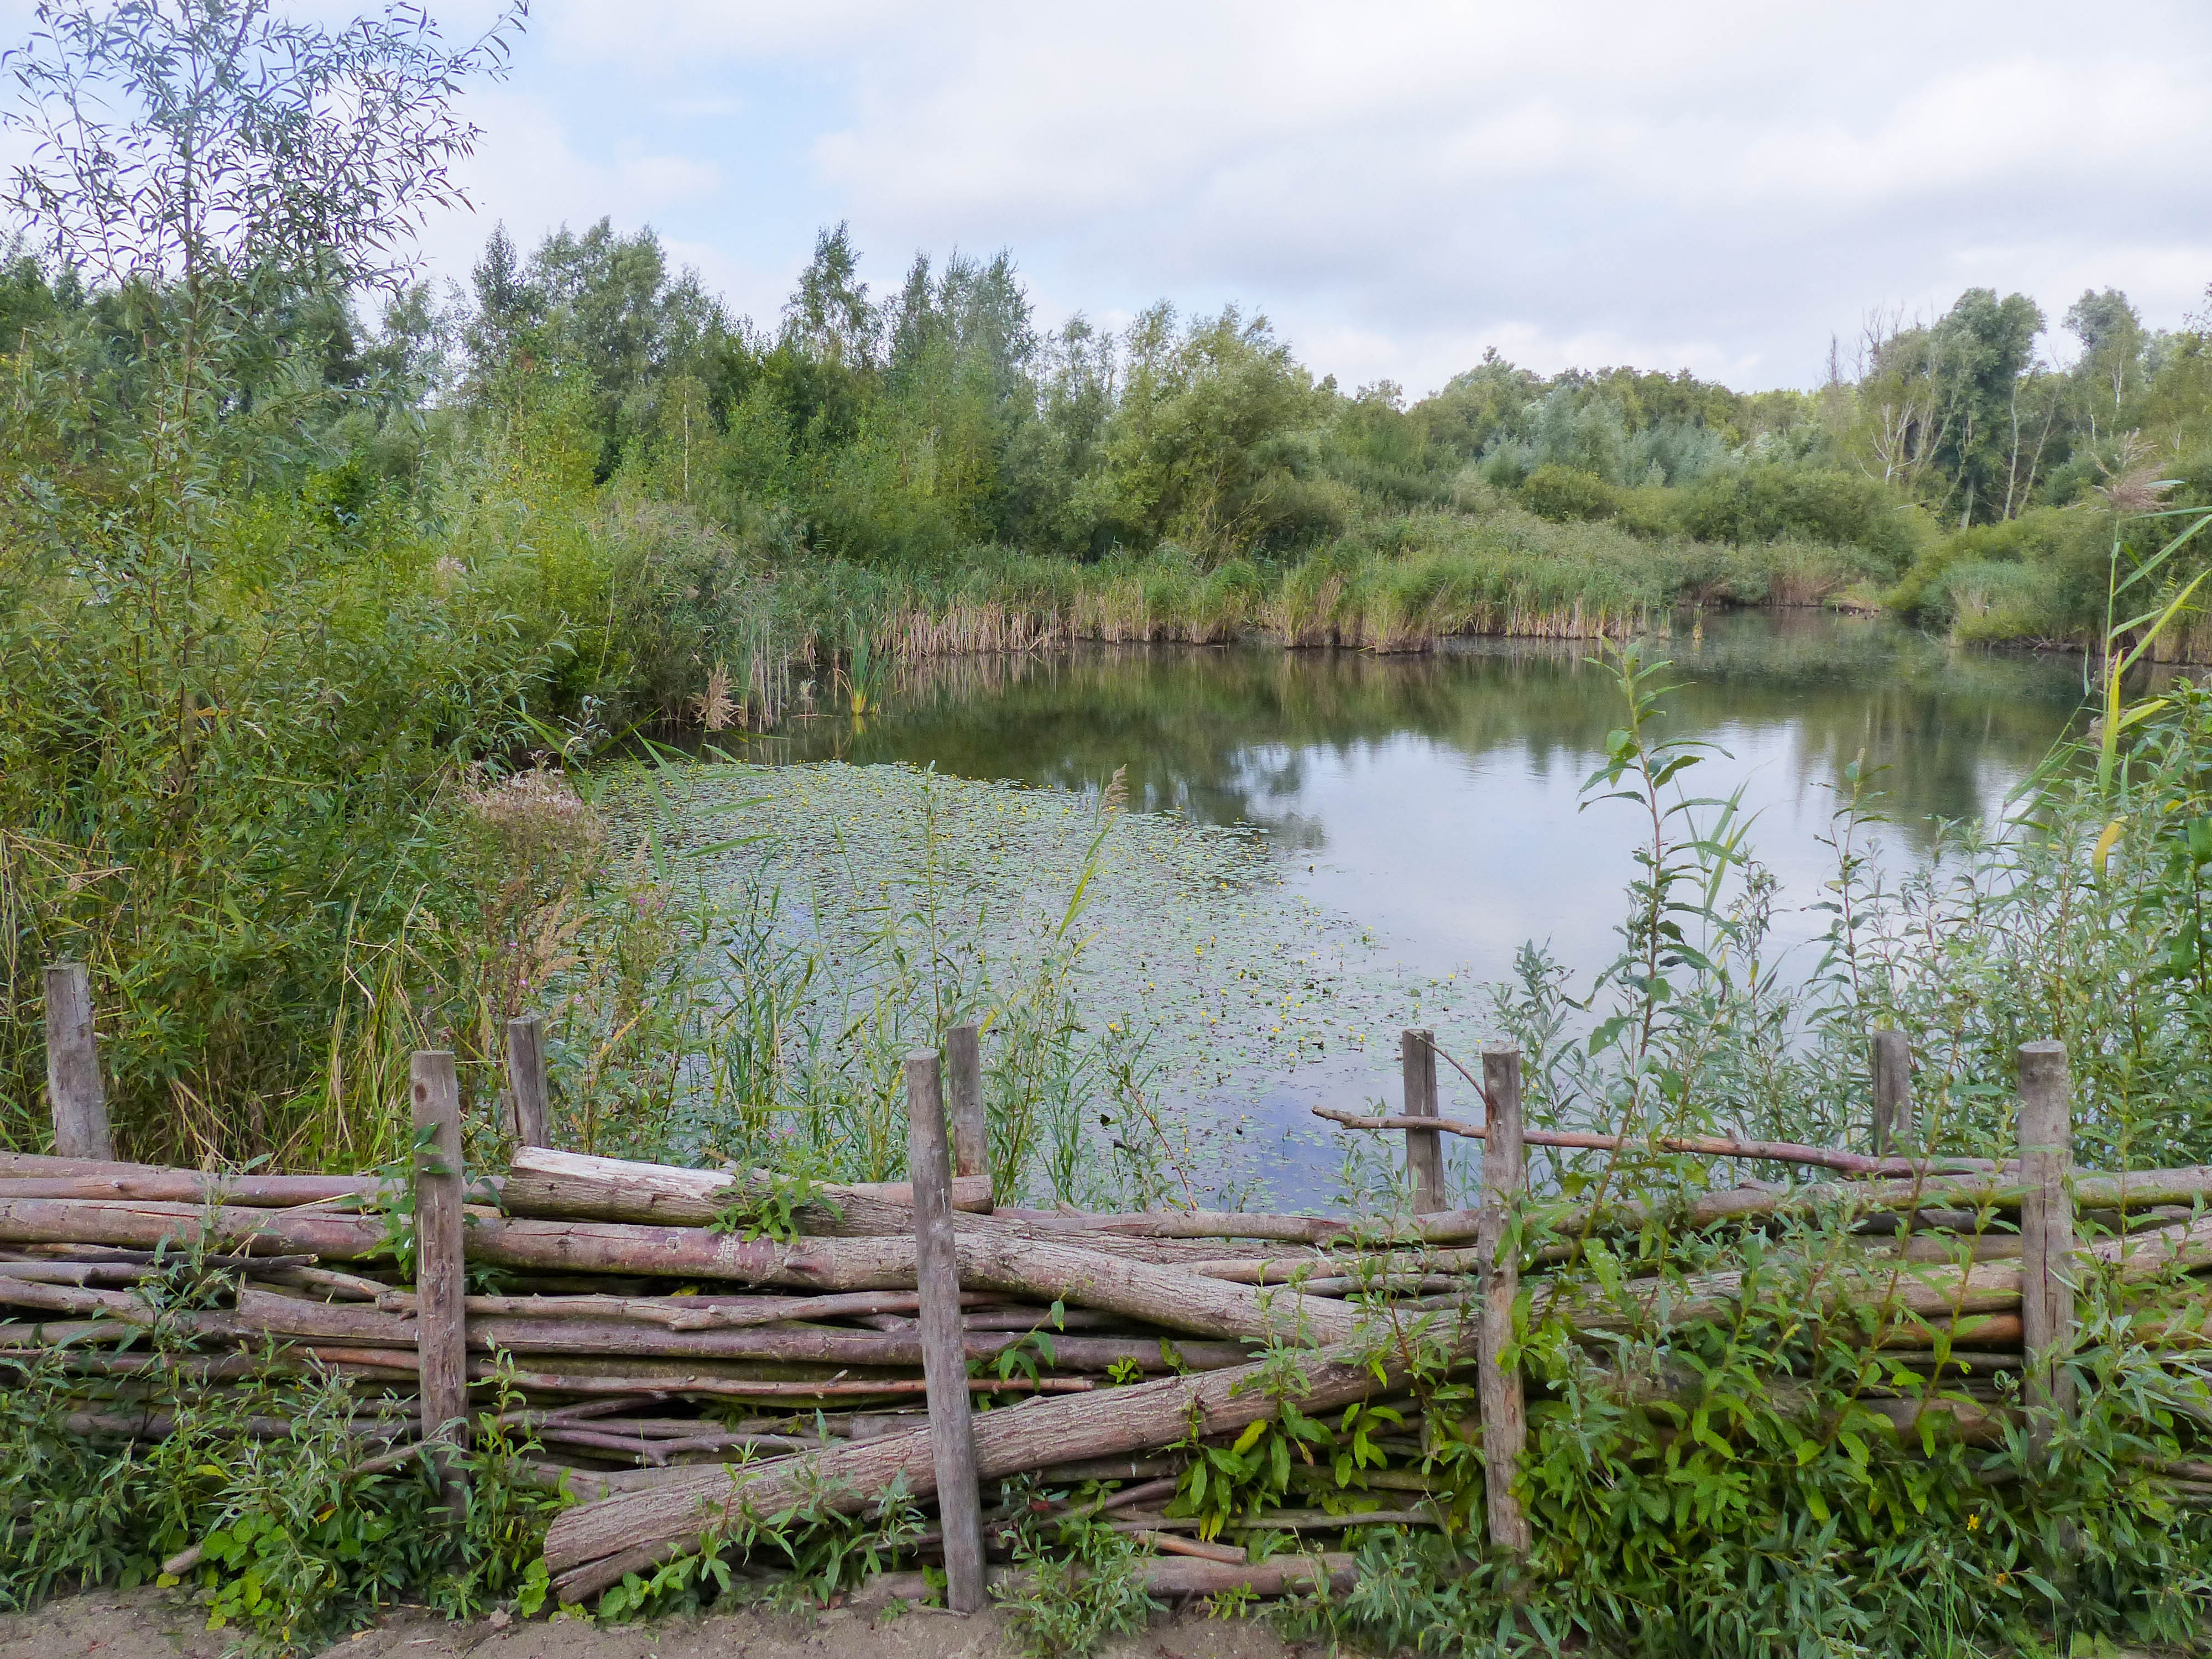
[1435, 797]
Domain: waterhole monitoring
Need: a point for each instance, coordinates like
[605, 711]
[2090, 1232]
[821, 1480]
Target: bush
[1562, 495]
[1765, 502]
[1991, 601]
[2069, 547]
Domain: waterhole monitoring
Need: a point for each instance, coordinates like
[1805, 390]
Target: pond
[1432, 803]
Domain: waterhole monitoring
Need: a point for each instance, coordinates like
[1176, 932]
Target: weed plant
[298, 1542]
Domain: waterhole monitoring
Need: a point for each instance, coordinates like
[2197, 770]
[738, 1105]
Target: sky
[1712, 185]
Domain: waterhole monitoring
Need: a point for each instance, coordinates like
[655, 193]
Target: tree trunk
[592, 1548]
[543, 1181]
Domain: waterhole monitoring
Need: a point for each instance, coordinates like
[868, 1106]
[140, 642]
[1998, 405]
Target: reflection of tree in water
[1229, 735]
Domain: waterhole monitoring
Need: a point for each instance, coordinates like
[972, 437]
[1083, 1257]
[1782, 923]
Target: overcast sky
[1717, 186]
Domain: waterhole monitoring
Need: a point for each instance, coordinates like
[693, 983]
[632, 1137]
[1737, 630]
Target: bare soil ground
[149, 1624]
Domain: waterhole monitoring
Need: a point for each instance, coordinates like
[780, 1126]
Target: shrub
[1561, 493]
[1765, 502]
[2071, 546]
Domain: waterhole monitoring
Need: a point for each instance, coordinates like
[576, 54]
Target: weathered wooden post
[440, 1336]
[963, 1064]
[2046, 1232]
[1424, 1148]
[73, 1086]
[944, 1353]
[528, 1117]
[1893, 1093]
[1505, 1414]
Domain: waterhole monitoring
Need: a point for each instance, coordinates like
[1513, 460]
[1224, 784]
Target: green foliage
[828, 1540]
[767, 1206]
[1561, 493]
[2039, 576]
[1767, 502]
[298, 1547]
[1075, 1584]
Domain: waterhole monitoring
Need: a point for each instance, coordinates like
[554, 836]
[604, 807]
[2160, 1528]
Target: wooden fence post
[73, 1086]
[944, 1353]
[1424, 1148]
[1893, 1092]
[440, 1335]
[1505, 1414]
[971, 1139]
[528, 1118]
[2046, 1232]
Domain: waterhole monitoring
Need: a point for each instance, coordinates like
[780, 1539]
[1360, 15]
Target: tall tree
[197, 141]
[2112, 340]
[829, 315]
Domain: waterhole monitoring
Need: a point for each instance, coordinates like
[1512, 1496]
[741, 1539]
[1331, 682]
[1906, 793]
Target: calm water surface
[1434, 801]
[1435, 797]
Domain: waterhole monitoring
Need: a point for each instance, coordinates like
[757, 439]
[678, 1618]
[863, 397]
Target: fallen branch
[591, 1547]
[1777, 1151]
[544, 1182]
[1043, 1270]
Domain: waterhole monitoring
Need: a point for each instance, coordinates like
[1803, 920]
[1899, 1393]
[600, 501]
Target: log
[529, 1118]
[1424, 1148]
[1777, 1151]
[348, 1285]
[1185, 1223]
[951, 1425]
[542, 1181]
[260, 1316]
[863, 1216]
[74, 1090]
[440, 1272]
[71, 1273]
[1323, 1266]
[1167, 1544]
[1505, 1414]
[151, 1424]
[657, 1450]
[41, 1165]
[1043, 1270]
[581, 1381]
[1040, 1270]
[145, 1224]
[592, 1548]
[391, 1366]
[1146, 1492]
[700, 1313]
[191, 1186]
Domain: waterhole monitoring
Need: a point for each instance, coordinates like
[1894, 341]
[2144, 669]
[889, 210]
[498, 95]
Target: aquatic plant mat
[1202, 1001]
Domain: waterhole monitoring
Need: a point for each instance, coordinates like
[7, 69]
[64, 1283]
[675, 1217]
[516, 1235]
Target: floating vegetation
[1208, 1005]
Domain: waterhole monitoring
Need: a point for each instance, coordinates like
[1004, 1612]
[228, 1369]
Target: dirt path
[153, 1625]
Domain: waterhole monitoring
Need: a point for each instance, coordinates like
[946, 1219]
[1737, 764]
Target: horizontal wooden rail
[1778, 1152]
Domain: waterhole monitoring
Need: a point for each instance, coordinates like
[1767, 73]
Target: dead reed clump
[534, 822]
[713, 707]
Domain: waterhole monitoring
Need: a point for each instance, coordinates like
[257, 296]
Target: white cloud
[528, 173]
[1715, 184]
[651, 182]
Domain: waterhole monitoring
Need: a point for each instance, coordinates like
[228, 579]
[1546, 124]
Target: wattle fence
[684, 1349]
